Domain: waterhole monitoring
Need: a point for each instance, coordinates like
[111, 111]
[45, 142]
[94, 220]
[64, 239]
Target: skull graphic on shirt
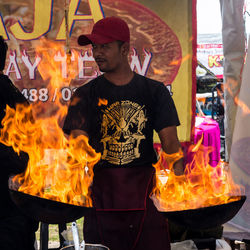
[121, 128]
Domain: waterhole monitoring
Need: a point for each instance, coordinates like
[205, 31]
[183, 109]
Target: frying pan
[47, 211]
[206, 217]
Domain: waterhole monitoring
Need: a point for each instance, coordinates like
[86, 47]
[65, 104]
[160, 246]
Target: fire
[158, 71]
[102, 102]
[60, 168]
[177, 62]
[201, 186]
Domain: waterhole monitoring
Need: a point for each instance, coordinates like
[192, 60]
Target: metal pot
[87, 247]
[206, 217]
[47, 211]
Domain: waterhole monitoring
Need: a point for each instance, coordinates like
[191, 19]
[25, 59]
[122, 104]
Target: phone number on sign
[44, 95]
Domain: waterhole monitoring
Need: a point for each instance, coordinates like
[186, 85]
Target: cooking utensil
[75, 235]
[87, 247]
[47, 211]
[206, 217]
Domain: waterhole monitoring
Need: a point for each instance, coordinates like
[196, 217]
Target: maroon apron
[125, 218]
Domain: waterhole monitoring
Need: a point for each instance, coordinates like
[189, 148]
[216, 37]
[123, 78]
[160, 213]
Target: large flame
[60, 168]
[201, 186]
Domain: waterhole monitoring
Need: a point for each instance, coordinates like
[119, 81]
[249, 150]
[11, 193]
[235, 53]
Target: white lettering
[136, 64]
[13, 62]
[63, 59]
[29, 65]
[83, 68]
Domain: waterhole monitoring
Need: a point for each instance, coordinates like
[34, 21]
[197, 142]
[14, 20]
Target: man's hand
[178, 167]
[171, 145]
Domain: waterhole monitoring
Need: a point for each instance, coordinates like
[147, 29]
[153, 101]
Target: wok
[47, 211]
[206, 217]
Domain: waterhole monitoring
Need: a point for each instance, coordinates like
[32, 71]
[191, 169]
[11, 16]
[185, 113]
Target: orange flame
[158, 72]
[201, 186]
[102, 102]
[181, 60]
[60, 168]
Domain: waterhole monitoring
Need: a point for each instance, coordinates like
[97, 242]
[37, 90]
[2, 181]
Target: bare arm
[170, 145]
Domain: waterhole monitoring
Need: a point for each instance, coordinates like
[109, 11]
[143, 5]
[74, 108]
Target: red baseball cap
[107, 30]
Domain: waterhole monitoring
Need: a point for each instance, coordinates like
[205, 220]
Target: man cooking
[118, 111]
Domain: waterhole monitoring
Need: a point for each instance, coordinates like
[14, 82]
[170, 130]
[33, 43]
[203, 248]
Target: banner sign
[211, 56]
[163, 44]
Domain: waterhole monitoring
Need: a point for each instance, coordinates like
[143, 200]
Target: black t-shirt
[120, 119]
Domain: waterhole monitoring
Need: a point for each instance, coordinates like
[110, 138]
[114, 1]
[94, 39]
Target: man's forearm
[171, 146]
